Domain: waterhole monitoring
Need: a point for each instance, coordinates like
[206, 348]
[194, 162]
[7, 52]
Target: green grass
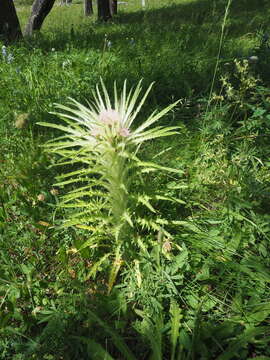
[202, 293]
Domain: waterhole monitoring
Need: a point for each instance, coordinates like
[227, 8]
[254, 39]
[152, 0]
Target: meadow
[153, 244]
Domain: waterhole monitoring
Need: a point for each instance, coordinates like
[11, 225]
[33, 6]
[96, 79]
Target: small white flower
[4, 51]
[253, 59]
[66, 63]
[53, 49]
[10, 58]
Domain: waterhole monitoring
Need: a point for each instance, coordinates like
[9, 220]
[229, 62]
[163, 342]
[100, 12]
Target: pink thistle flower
[124, 132]
[109, 117]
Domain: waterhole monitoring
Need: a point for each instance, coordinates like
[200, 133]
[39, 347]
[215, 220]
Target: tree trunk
[88, 7]
[40, 10]
[10, 29]
[113, 4]
[104, 11]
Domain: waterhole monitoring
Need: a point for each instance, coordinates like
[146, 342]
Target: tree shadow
[175, 46]
[197, 14]
[99, 330]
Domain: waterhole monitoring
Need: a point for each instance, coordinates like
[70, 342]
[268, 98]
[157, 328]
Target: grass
[198, 290]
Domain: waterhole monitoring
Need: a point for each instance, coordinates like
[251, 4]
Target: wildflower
[124, 132]
[167, 246]
[109, 44]
[111, 159]
[41, 197]
[253, 59]
[4, 51]
[53, 49]
[109, 117]
[54, 192]
[66, 63]
[36, 310]
[10, 58]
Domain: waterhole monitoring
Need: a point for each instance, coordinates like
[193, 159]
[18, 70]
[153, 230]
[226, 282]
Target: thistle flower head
[124, 132]
[109, 117]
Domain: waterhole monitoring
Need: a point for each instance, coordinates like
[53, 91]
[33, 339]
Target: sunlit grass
[214, 262]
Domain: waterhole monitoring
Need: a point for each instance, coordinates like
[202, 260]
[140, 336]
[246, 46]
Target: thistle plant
[105, 141]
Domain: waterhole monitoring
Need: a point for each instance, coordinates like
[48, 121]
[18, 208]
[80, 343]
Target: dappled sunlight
[134, 223]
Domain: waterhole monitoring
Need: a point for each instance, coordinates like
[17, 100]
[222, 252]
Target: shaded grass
[175, 46]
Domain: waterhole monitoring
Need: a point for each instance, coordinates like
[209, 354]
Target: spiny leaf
[176, 317]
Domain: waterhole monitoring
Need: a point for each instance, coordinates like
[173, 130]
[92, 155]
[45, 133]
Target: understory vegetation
[148, 240]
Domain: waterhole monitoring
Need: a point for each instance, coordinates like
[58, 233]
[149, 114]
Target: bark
[40, 10]
[88, 7]
[104, 10]
[113, 4]
[10, 29]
